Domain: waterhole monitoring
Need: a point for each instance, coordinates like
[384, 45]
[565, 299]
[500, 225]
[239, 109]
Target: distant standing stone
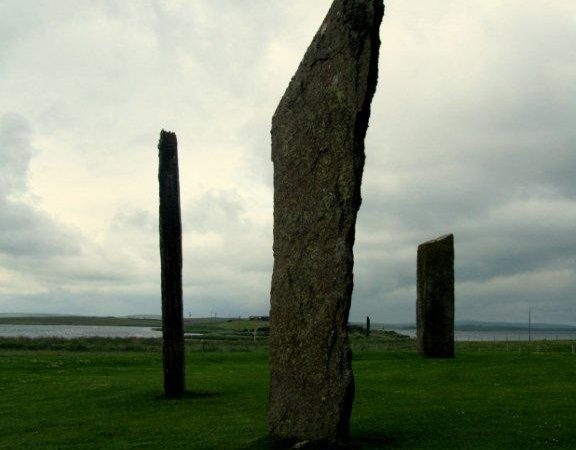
[435, 298]
[318, 136]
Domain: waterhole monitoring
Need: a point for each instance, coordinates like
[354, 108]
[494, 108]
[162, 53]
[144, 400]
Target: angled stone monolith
[435, 298]
[171, 266]
[367, 326]
[318, 134]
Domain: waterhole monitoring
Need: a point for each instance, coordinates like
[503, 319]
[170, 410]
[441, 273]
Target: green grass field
[480, 400]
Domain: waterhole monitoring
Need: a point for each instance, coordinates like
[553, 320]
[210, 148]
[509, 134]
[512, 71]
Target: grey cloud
[486, 154]
[134, 218]
[86, 303]
[18, 21]
[126, 303]
[256, 135]
[25, 230]
[471, 133]
[216, 210]
[16, 153]
[544, 291]
[227, 254]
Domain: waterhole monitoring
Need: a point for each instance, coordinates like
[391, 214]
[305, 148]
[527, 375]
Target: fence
[198, 344]
[403, 345]
[544, 346]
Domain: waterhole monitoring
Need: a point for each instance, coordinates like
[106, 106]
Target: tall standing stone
[367, 326]
[171, 266]
[318, 134]
[435, 298]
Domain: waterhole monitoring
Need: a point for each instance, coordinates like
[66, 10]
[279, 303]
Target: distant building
[263, 318]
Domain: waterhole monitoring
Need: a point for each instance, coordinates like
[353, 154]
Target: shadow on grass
[372, 442]
[187, 395]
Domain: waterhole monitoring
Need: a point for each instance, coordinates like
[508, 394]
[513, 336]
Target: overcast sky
[473, 132]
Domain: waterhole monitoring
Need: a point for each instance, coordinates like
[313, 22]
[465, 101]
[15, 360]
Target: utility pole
[171, 266]
[529, 325]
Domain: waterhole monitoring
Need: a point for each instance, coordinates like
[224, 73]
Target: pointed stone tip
[439, 239]
[167, 138]
[166, 133]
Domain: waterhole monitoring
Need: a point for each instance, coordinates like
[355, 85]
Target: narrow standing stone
[318, 134]
[171, 264]
[435, 298]
[367, 326]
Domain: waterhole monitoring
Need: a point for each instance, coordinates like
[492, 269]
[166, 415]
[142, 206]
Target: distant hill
[151, 320]
[143, 316]
[31, 315]
[144, 320]
[471, 325]
[475, 325]
[78, 320]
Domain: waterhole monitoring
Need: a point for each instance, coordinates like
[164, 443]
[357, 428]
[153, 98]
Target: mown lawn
[490, 400]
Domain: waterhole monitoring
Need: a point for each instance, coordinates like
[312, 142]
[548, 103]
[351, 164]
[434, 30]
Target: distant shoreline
[156, 321]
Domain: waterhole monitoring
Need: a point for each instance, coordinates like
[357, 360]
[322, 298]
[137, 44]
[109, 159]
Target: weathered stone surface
[318, 136]
[171, 265]
[435, 298]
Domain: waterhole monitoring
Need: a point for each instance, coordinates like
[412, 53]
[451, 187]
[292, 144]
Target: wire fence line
[403, 345]
[543, 346]
[261, 343]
